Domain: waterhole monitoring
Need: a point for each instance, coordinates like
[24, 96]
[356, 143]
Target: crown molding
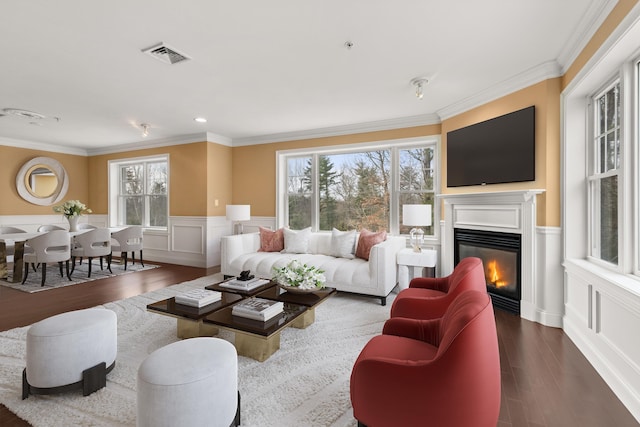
[619, 48]
[397, 123]
[163, 142]
[544, 71]
[592, 19]
[31, 145]
[219, 139]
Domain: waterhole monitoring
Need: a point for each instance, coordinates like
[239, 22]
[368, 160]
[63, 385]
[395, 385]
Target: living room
[594, 300]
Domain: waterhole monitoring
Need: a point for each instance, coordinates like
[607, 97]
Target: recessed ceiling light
[200, 120]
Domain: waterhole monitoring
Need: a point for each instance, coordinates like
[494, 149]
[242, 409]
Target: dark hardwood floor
[546, 381]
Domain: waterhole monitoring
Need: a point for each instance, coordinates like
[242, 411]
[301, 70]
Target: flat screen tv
[495, 151]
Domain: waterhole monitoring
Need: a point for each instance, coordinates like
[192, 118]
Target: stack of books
[198, 297]
[244, 285]
[258, 309]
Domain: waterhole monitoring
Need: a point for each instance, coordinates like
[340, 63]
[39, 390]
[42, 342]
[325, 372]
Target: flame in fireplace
[495, 275]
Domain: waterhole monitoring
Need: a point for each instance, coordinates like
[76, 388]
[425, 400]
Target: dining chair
[94, 243]
[11, 230]
[86, 226]
[49, 227]
[128, 240]
[54, 246]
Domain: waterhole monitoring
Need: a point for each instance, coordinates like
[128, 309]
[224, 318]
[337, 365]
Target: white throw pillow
[297, 242]
[343, 243]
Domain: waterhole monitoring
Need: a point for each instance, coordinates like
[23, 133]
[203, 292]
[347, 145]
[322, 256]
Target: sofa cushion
[343, 243]
[355, 272]
[297, 242]
[367, 240]
[271, 241]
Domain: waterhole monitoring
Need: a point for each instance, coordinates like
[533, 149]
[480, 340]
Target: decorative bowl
[297, 290]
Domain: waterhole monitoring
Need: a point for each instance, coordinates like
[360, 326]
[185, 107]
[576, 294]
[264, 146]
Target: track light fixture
[419, 83]
[145, 129]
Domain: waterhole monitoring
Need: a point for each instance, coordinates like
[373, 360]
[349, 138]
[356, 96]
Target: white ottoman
[190, 383]
[70, 350]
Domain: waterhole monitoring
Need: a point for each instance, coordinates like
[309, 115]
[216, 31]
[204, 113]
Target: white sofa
[376, 277]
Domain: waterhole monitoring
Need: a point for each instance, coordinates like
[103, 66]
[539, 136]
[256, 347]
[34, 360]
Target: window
[603, 181]
[417, 180]
[355, 187]
[142, 188]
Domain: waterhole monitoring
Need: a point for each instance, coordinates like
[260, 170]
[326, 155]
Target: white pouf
[193, 382]
[70, 350]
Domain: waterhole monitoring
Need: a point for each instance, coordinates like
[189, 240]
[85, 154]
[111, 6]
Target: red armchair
[439, 292]
[438, 372]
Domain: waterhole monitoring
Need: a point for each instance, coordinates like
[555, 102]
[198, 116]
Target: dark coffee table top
[226, 319]
[169, 306]
[276, 293]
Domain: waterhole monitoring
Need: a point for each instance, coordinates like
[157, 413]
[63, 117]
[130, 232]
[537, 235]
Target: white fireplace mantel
[506, 212]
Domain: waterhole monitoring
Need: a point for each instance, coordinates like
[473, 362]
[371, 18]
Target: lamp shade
[416, 215]
[239, 212]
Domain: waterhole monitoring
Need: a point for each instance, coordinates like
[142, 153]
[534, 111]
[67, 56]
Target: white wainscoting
[188, 240]
[602, 316]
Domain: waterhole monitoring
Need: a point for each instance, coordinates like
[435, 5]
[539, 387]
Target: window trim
[114, 185]
[394, 144]
[594, 175]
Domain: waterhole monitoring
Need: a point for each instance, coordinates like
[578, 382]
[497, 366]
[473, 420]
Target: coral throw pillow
[271, 241]
[367, 240]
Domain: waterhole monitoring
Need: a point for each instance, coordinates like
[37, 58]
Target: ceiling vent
[25, 114]
[166, 54]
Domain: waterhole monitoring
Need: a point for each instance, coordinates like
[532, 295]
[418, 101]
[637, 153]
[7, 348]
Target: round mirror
[42, 181]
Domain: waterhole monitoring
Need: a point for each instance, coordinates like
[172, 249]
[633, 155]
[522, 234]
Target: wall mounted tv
[495, 151]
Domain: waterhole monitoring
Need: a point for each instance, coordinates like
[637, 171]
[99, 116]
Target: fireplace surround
[514, 212]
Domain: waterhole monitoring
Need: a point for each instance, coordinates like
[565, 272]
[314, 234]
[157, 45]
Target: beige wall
[198, 171]
[546, 98]
[254, 166]
[12, 160]
[219, 178]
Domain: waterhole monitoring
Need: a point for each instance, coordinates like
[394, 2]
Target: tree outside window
[604, 180]
[355, 189]
[417, 180]
[143, 194]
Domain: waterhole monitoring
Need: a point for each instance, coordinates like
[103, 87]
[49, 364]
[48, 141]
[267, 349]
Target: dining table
[17, 240]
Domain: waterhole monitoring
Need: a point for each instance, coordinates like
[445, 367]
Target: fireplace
[501, 256]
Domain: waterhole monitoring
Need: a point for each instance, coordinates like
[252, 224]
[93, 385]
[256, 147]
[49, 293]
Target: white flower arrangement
[299, 275]
[72, 208]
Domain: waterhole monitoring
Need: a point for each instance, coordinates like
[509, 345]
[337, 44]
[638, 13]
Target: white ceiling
[266, 71]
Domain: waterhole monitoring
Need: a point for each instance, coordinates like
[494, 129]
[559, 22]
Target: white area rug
[80, 275]
[305, 383]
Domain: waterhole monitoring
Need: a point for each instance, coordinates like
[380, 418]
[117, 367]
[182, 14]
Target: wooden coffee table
[253, 338]
[189, 319]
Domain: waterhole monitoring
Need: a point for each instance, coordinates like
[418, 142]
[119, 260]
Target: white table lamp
[236, 214]
[416, 216]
